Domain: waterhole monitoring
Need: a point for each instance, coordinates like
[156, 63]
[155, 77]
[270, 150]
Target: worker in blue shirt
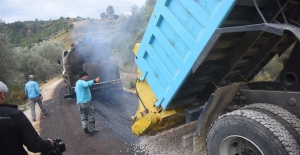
[84, 97]
[34, 94]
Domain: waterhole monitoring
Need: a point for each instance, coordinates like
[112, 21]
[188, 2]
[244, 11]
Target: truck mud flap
[213, 108]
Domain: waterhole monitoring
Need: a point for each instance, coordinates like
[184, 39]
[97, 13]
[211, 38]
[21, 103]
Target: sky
[29, 10]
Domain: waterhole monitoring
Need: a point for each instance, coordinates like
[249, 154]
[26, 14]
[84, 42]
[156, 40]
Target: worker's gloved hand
[97, 80]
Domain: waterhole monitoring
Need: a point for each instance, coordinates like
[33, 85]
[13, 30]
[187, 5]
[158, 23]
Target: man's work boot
[93, 132]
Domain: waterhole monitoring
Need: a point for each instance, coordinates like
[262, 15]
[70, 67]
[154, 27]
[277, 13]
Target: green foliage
[116, 16]
[271, 71]
[30, 32]
[134, 9]
[149, 8]
[132, 84]
[262, 76]
[110, 11]
[17, 63]
[40, 60]
[131, 31]
[49, 50]
[6, 57]
[103, 15]
[16, 94]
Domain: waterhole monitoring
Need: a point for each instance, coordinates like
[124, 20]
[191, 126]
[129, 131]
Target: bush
[132, 84]
[17, 95]
[40, 60]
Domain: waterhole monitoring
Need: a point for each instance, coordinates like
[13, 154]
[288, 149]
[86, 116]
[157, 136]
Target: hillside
[92, 30]
[66, 30]
[30, 32]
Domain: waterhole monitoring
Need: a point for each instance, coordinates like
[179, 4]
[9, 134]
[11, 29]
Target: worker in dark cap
[34, 94]
[84, 97]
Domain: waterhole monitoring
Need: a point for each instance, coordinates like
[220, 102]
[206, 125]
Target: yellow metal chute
[148, 117]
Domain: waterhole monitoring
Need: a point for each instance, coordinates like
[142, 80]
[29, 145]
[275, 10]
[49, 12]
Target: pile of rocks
[167, 142]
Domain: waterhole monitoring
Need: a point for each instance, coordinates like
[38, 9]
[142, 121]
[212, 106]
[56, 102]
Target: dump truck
[95, 59]
[197, 62]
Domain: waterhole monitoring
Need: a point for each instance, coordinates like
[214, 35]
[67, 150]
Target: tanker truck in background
[197, 61]
[95, 59]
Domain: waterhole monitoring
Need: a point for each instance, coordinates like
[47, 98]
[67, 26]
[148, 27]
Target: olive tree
[40, 60]
[8, 68]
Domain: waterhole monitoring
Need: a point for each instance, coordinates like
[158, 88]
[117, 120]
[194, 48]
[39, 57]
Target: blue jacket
[32, 89]
[83, 93]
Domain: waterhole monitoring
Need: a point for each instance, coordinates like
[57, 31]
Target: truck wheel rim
[239, 145]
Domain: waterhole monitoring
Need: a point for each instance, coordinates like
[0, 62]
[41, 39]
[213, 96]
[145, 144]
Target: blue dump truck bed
[176, 35]
[189, 45]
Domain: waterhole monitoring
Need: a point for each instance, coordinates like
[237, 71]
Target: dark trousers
[87, 111]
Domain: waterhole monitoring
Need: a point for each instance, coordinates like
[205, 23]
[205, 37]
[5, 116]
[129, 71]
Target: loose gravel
[167, 142]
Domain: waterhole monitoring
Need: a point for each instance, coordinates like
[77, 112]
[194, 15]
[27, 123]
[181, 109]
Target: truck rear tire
[284, 117]
[249, 132]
